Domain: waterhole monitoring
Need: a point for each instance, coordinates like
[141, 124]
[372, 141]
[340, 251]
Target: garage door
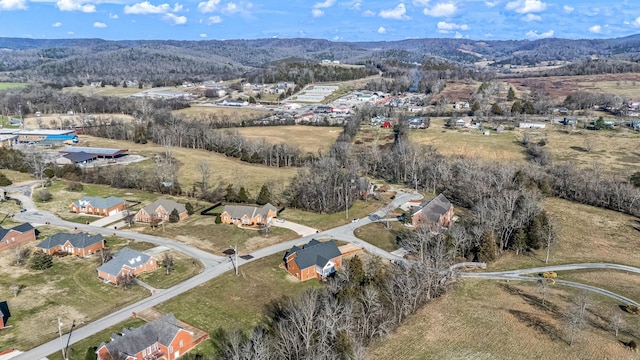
[113, 212]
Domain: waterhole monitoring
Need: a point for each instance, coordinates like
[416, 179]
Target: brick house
[16, 235]
[248, 215]
[436, 214]
[5, 314]
[163, 338]
[96, 205]
[314, 260]
[126, 261]
[81, 244]
[160, 209]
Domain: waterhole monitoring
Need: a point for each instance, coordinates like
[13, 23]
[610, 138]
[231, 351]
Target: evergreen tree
[534, 235]
[528, 108]
[520, 241]
[189, 208]
[174, 217]
[243, 196]
[41, 260]
[358, 276]
[516, 108]
[4, 180]
[90, 354]
[231, 195]
[488, 247]
[496, 109]
[511, 95]
[264, 196]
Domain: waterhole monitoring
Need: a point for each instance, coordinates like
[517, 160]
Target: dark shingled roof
[238, 211]
[79, 157]
[125, 256]
[134, 340]
[167, 204]
[4, 312]
[435, 208]
[99, 202]
[80, 240]
[22, 228]
[315, 253]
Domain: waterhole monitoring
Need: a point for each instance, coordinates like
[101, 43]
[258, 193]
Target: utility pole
[235, 250]
[64, 357]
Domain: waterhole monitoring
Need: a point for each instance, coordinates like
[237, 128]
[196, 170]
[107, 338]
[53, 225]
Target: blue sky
[346, 20]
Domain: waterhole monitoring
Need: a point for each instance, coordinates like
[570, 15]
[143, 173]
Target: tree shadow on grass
[579, 148]
[538, 323]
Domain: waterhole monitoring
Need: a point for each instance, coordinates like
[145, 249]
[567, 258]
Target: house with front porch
[316, 259]
[80, 244]
[248, 215]
[126, 261]
[96, 205]
[161, 209]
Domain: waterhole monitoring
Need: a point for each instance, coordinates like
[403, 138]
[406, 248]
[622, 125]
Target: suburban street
[215, 266]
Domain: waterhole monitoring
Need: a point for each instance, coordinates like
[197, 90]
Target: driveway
[102, 222]
[299, 229]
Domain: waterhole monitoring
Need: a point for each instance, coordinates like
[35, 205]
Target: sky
[336, 20]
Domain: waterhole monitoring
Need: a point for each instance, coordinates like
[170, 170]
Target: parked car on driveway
[354, 220]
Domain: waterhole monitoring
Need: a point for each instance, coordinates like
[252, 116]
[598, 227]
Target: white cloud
[325, 4]
[8, 5]
[146, 8]
[531, 17]
[57, 24]
[177, 7]
[596, 29]
[100, 25]
[526, 6]
[208, 6]
[175, 19]
[458, 35]
[636, 22]
[230, 8]
[445, 27]
[203, 35]
[568, 9]
[382, 30]
[356, 5]
[534, 34]
[113, 16]
[441, 10]
[368, 13]
[73, 5]
[397, 13]
[70, 33]
[316, 13]
[491, 4]
[214, 20]
[420, 3]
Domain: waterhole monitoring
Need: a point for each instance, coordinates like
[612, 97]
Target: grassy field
[236, 302]
[312, 139]
[11, 85]
[224, 169]
[184, 267]
[482, 319]
[234, 114]
[202, 232]
[377, 234]
[70, 289]
[107, 90]
[57, 121]
[359, 209]
[16, 176]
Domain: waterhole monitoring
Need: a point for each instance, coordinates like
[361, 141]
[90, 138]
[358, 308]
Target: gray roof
[77, 157]
[80, 240]
[22, 228]
[238, 211]
[125, 256]
[133, 340]
[167, 204]
[314, 253]
[435, 208]
[98, 202]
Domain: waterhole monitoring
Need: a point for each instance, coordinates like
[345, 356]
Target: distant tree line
[303, 73]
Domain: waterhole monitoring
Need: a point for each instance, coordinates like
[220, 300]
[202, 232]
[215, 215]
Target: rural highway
[214, 265]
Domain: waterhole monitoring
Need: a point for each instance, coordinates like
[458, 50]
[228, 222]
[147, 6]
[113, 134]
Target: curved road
[214, 265]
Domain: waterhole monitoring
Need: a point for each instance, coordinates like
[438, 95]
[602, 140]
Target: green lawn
[359, 210]
[184, 267]
[11, 85]
[377, 234]
[236, 302]
[78, 350]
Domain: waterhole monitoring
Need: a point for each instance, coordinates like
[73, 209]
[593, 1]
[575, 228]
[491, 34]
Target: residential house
[160, 209]
[248, 215]
[126, 261]
[531, 125]
[5, 314]
[164, 338]
[96, 205]
[435, 214]
[314, 260]
[81, 244]
[464, 122]
[16, 235]
[415, 122]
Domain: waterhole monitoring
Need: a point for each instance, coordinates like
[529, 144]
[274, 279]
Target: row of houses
[159, 210]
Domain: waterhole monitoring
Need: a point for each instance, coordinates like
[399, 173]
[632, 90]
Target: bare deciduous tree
[125, 280]
[617, 322]
[205, 173]
[16, 288]
[20, 253]
[168, 262]
[103, 255]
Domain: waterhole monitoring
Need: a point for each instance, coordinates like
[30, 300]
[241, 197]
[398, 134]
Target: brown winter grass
[483, 319]
[223, 169]
[70, 289]
[620, 282]
[377, 234]
[184, 267]
[586, 234]
[233, 113]
[57, 121]
[313, 139]
[16, 176]
[108, 90]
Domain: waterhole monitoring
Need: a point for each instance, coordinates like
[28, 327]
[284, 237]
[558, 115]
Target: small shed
[387, 125]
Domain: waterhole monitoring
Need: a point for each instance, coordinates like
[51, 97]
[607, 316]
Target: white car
[280, 220]
[355, 220]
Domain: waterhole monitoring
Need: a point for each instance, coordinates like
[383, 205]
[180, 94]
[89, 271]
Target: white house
[532, 125]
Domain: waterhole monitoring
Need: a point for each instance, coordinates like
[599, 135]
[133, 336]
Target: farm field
[57, 121]
[311, 139]
[70, 289]
[11, 85]
[224, 170]
[109, 90]
[225, 113]
[483, 319]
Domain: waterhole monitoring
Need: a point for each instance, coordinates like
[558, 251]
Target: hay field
[470, 143]
[234, 114]
[483, 319]
[308, 138]
[57, 121]
[108, 90]
[223, 169]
